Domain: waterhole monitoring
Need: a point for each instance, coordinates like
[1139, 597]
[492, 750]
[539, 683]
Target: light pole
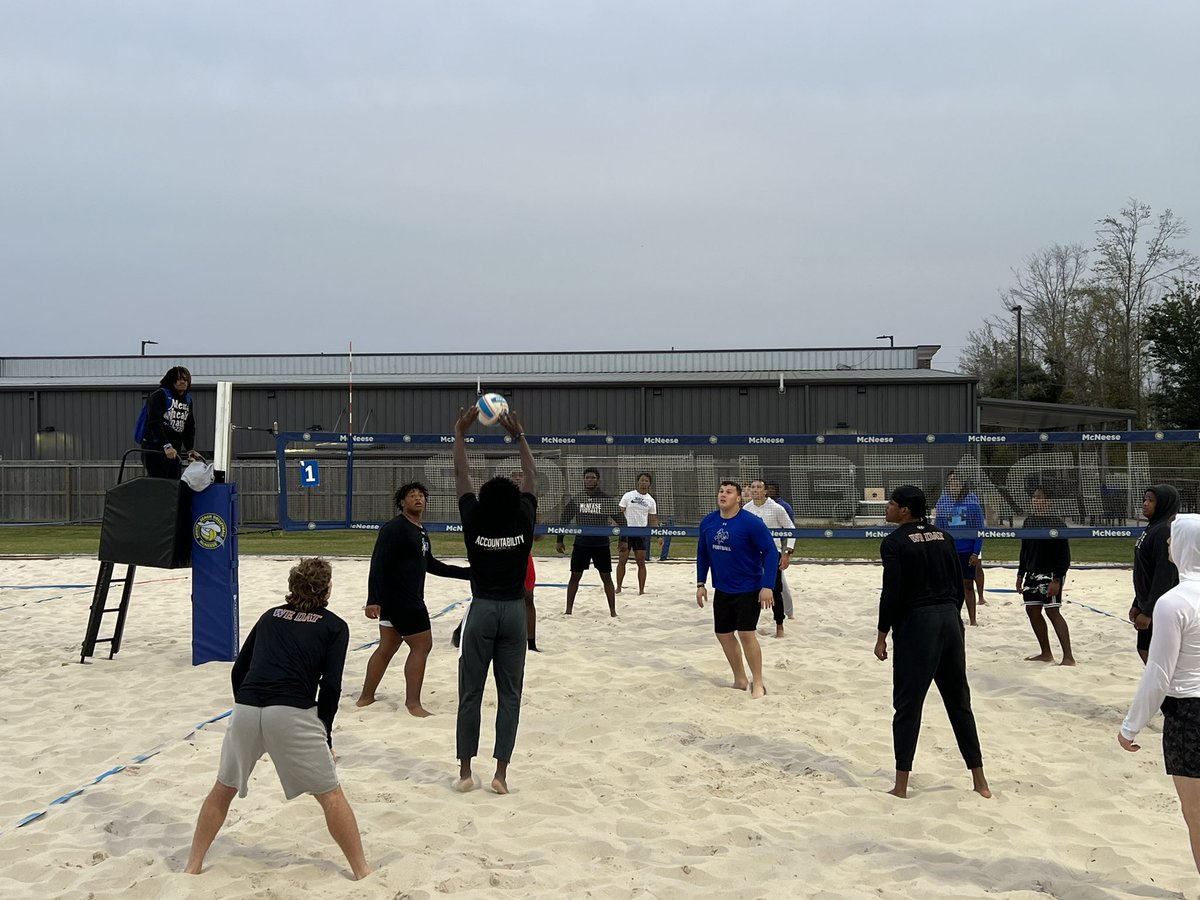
[890, 337]
[144, 343]
[1017, 310]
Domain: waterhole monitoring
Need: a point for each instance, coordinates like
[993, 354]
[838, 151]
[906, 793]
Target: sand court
[638, 771]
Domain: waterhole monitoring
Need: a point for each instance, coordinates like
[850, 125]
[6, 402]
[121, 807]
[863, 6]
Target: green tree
[1172, 329]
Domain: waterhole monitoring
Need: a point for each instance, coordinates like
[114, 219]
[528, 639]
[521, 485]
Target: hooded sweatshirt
[1173, 668]
[170, 423]
[1153, 572]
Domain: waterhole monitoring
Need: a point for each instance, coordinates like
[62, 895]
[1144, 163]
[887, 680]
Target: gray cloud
[290, 176]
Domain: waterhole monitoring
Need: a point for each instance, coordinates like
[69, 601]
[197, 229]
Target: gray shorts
[295, 740]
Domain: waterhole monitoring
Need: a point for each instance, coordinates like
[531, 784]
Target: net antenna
[224, 435]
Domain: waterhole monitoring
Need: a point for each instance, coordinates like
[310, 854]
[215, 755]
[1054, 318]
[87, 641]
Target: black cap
[911, 498]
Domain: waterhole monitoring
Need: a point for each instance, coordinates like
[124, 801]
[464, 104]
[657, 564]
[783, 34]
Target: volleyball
[491, 408]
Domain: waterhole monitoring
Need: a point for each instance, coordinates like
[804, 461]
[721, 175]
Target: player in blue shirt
[741, 553]
[958, 507]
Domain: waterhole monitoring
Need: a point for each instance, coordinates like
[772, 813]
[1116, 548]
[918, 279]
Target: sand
[638, 772]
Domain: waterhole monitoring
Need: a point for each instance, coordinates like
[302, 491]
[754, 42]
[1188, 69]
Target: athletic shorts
[1036, 592]
[636, 543]
[968, 570]
[530, 577]
[582, 557]
[735, 612]
[1143, 639]
[295, 740]
[1181, 736]
[406, 618]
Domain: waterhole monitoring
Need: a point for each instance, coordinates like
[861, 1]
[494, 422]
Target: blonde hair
[309, 583]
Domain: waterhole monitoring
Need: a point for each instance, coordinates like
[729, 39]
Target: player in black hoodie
[170, 425]
[1153, 572]
[1041, 572]
[921, 604]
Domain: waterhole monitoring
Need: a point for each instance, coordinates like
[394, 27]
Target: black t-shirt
[399, 562]
[287, 656]
[498, 551]
[1044, 556]
[920, 568]
[598, 509]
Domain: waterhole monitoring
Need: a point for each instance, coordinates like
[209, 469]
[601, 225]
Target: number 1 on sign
[310, 473]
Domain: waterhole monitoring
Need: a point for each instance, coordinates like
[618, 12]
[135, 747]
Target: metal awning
[1028, 415]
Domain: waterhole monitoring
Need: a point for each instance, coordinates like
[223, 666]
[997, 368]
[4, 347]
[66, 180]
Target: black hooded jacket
[170, 422]
[1153, 573]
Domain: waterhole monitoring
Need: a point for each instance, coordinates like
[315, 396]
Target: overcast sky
[239, 177]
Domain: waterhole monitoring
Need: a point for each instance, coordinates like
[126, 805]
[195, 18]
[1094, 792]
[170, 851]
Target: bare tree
[1136, 257]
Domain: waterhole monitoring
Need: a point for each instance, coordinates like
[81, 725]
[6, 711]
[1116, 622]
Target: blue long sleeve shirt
[740, 552]
[966, 513]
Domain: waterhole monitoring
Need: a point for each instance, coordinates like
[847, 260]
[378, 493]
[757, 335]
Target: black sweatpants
[928, 647]
[158, 466]
[494, 635]
[777, 605]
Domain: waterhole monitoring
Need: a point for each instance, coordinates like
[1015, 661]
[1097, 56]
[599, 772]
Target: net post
[224, 433]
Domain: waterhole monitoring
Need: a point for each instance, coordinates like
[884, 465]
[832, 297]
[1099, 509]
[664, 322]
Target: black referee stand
[147, 522]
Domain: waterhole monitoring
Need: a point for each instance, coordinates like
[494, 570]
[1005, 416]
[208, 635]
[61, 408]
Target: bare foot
[360, 875]
[640, 593]
[191, 870]
[740, 685]
[792, 616]
[364, 701]
[1041, 657]
[778, 631]
[618, 589]
[499, 785]
[979, 784]
[900, 792]
[757, 690]
[974, 624]
[1067, 661]
[467, 784]
[418, 710]
[981, 602]
[612, 614]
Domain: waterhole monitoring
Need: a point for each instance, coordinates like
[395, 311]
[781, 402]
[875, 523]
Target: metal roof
[661, 367]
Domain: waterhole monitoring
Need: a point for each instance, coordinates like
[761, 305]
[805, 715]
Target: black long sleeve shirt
[1044, 556]
[920, 568]
[289, 658]
[401, 557]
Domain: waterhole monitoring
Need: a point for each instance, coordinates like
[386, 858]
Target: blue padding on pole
[215, 574]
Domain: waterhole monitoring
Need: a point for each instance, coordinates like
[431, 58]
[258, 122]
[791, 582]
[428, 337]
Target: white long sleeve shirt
[773, 516]
[1173, 667]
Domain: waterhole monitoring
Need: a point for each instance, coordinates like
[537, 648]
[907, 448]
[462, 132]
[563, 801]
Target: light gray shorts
[294, 739]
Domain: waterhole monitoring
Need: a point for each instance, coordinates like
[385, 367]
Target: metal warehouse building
[82, 409]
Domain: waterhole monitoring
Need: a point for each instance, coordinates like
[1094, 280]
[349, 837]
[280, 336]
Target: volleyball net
[837, 484]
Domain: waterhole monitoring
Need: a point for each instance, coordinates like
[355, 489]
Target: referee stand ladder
[100, 607]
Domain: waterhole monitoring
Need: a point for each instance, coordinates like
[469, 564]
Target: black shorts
[1036, 592]
[599, 556]
[735, 612]
[968, 570]
[636, 543]
[407, 618]
[1181, 736]
[1143, 639]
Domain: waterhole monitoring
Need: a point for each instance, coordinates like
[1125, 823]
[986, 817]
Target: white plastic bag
[198, 475]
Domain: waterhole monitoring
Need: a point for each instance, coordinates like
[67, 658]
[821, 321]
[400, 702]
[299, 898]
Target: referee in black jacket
[921, 603]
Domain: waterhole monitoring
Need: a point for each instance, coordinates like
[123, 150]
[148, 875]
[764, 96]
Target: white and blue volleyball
[491, 408]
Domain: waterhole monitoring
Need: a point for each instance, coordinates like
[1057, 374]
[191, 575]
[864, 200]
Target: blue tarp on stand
[215, 574]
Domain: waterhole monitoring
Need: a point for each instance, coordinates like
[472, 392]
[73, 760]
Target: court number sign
[310, 473]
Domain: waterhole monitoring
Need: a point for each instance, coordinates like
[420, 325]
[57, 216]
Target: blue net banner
[752, 440]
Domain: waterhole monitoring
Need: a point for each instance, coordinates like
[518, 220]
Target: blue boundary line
[140, 758]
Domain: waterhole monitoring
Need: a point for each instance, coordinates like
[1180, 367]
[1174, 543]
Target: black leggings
[928, 647]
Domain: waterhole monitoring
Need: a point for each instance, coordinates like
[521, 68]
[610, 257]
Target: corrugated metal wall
[98, 424]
